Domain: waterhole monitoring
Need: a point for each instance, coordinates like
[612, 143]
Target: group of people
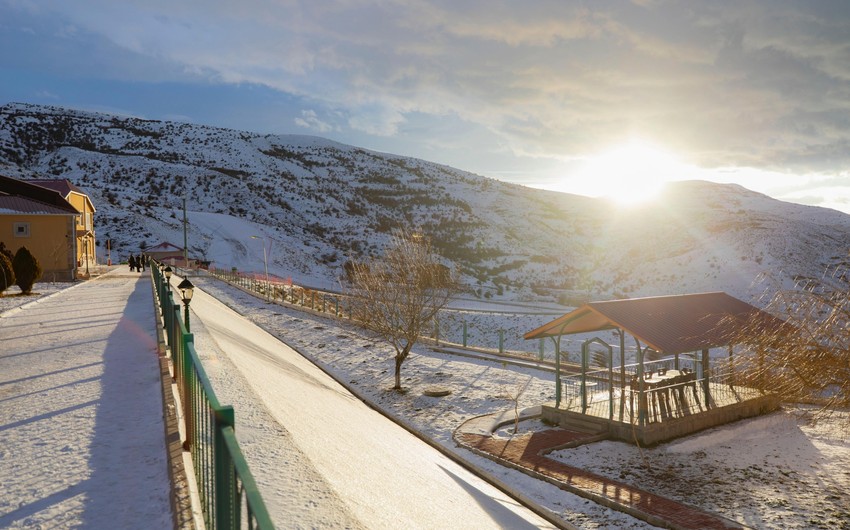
[137, 263]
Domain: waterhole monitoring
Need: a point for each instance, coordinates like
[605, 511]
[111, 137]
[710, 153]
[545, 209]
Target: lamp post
[265, 262]
[166, 272]
[186, 292]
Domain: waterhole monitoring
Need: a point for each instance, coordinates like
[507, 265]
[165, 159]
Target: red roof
[164, 247]
[17, 205]
[62, 186]
[22, 196]
[667, 324]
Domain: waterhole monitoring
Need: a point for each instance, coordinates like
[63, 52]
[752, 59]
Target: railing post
[225, 486]
[464, 333]
[540, 349]
[501, 341]
[190, 401]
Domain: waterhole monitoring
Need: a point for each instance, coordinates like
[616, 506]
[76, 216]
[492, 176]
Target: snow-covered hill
[318, 202]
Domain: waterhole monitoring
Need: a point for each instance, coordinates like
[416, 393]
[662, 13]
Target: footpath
[81, 410]
[528, 453]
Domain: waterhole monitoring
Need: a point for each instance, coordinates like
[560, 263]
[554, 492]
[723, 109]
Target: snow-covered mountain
[317, 202]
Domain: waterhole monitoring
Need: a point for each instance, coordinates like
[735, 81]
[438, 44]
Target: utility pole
[185, 237]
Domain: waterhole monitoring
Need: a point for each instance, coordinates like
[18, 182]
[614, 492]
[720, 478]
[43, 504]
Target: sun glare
[631, 174]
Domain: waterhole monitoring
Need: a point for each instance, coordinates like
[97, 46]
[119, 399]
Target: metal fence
[228, 494]
[448, 330]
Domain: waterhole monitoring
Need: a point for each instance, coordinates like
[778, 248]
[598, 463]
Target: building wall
[50, 238]
[86, 246]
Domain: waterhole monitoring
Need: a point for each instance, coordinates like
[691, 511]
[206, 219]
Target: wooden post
[706, 389]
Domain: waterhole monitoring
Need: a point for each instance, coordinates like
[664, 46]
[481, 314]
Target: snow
[369, 471]
[321, 457]
[81, 407]
[740, 470]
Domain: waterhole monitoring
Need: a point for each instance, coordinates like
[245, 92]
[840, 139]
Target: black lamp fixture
[167, 272]
[187, 290]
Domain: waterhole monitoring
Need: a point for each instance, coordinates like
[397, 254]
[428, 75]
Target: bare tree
[807, 359]
[399, 294]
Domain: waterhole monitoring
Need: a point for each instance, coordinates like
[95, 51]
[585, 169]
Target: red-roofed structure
[84, 230]
[672, 388]
[40, 219]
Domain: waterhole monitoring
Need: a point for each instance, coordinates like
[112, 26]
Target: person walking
[142, 260]
[132, 262]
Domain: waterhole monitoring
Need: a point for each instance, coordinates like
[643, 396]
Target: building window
[22, 229]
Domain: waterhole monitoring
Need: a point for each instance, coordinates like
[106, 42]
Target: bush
[27, 269]
[6, 251]
[7, 275]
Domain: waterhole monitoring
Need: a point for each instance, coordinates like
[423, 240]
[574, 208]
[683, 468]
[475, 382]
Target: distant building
[45, 222]
[84, 230]
[169, 254]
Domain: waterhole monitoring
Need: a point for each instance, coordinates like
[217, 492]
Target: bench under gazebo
[672, 386]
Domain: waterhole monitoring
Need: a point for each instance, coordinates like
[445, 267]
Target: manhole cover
[437, 392]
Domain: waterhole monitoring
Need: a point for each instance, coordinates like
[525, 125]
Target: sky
[595, 98]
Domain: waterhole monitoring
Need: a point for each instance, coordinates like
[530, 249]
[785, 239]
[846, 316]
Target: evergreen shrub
[7, 275]
[27, 269]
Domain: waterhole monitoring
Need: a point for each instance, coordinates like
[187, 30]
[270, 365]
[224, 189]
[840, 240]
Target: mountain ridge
[319, 202]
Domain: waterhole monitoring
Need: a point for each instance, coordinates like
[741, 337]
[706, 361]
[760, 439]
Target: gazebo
[672, 387]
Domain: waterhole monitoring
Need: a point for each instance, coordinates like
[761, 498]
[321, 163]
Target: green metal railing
[228, 494]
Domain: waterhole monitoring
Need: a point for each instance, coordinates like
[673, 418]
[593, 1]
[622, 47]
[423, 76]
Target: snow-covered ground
[776, 471]
[323, 457]
[81, 428]
[12, 297]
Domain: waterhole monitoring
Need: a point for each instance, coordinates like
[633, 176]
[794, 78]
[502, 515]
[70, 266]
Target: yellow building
[85, 234]
[42, 220]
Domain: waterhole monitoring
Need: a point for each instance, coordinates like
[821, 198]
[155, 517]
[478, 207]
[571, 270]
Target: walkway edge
[181, 497]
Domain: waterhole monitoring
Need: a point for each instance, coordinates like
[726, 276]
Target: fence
[450, 329]
[228, 494]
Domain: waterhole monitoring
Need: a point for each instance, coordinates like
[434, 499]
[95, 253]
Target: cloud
[310, 120]
[757, 83]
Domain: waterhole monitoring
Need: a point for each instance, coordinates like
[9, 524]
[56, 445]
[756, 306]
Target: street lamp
[186, 292]
[167, 272]
[265, 263]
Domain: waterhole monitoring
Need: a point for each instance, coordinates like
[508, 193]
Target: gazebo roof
[667, 324]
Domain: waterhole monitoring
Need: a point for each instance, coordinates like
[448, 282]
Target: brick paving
[527, 452]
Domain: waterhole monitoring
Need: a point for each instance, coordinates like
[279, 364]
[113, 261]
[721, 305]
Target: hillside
[320, 202]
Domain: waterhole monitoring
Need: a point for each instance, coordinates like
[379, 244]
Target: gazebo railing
[653, 398]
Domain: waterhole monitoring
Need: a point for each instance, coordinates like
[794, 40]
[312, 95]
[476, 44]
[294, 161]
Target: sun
[631, 174]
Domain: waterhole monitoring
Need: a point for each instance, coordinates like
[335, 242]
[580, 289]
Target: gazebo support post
[622, 372]
[557, 371]
[706, 390]
[731, 368]
[642, 402]
[611, 384]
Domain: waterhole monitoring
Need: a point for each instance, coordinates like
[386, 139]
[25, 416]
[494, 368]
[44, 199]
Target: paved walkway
[528, 452]
[81, 431]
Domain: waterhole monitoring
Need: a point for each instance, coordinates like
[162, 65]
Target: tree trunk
[398, 360]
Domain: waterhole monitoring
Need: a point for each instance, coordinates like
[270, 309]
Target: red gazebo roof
[667, 324]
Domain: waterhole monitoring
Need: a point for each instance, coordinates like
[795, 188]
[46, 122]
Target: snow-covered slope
[318, 202]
